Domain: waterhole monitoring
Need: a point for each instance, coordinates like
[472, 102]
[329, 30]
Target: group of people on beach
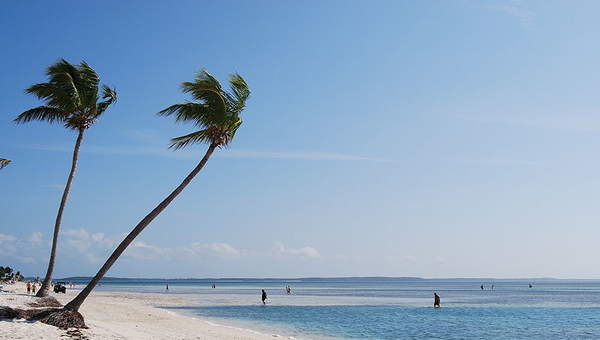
[31, 287]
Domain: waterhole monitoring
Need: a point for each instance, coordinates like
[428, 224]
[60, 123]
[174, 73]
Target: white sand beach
[118, 315]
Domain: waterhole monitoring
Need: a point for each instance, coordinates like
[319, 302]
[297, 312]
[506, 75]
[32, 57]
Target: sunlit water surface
[380, 308]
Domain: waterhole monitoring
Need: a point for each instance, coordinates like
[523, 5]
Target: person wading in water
[264, 297]
[436, 301]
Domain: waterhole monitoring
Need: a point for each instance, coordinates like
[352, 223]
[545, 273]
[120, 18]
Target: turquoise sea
[391, 308]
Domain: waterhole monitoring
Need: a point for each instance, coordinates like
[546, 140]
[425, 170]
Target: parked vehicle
[60, 287]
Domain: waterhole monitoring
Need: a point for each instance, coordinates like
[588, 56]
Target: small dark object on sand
[47, 301]
[75, 334]
[8, 313]
[59, 287]
[63, 319]
[60, 318]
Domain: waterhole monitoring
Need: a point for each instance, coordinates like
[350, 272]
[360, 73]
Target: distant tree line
[7, 274]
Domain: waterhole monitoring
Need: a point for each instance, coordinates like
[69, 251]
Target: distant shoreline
[328, 279]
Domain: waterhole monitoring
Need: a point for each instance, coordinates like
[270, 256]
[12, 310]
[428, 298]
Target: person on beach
[28, 287]
[436, 301]
[264, 297]
[167, 288]
[33, 288]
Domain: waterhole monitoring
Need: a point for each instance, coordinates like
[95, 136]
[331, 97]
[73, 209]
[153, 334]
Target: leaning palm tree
[4, 162]
[72, 98]
[217, 114]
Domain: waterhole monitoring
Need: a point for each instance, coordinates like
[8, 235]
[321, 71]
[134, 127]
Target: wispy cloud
[306, 251]
[571, 121]
[52, 186]
[299, 155]
[514, 9]
[95, 246]
[190, 154]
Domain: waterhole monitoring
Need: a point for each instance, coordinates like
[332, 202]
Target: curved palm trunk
[80, 298]
[48, 278]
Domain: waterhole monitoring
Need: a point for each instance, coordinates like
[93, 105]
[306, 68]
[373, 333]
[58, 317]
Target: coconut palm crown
[4, 162]
[71, 96]
[217, 113]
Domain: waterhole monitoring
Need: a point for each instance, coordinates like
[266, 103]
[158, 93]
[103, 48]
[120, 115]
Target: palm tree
[71, 97]
[4, 162]
[218, 115]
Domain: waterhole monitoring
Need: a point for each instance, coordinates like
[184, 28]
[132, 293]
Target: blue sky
[399, 138]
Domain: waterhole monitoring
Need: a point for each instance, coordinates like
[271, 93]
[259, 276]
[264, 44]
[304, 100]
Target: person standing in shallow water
[436, 301]
[264, 297]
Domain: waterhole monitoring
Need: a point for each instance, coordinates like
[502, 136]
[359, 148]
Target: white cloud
[53, 186]
[297, 155]
[407, 259]
[217, 249]
[306, 251]
[28, 259]
[12, 247]
[82, 240]
[6, 238]
[35, 237]
[8, 245]
[525, 16]
[143, 251]
[191, 154]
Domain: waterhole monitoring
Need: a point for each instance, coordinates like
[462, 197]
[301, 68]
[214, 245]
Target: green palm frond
[53, 96]
[202, 136]
[88, 85]
[110, 97]
[217, 113]
[240, 92]
[206, 88]
[4, 162]
[70, 96]
[197, 113]
[43, 113]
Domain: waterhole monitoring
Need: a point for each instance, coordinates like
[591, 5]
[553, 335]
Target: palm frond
[239, 88]
[232, 129]
[4, 162]
[67, 82]
[199, 114]
[53, 96]
[217, 113]
[110, 96]
[43, 113]
[88, 84]
[204, 136]
[206, 88]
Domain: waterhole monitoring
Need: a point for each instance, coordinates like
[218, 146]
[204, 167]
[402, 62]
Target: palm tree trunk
[74, 304]
[48, 278]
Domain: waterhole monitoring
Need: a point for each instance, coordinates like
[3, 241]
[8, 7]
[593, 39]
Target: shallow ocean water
[383, 308]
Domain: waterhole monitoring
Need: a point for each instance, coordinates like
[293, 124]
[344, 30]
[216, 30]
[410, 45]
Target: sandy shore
[118, 315]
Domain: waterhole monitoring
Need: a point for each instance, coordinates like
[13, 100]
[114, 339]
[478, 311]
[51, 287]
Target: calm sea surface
[383, 308]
